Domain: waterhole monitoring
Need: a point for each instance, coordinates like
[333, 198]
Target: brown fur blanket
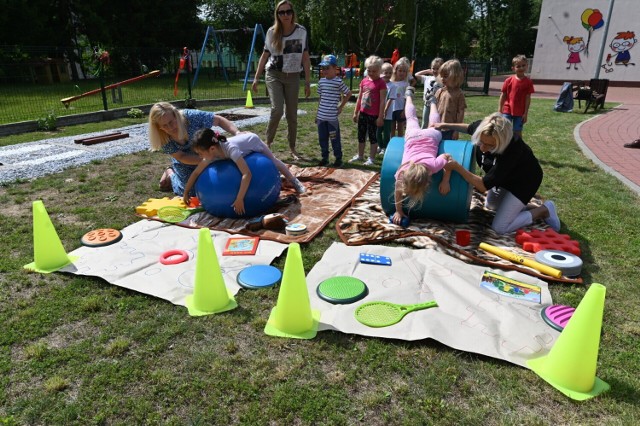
[329, 192]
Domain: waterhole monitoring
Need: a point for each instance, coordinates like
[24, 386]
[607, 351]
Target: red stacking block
[537, 240]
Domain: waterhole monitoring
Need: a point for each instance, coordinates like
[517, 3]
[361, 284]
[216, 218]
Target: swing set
[212, 33]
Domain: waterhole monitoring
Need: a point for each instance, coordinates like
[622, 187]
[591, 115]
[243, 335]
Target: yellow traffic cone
[210, 294]
[292, 316]
[570, 365]
[249, 103]
[48, 252]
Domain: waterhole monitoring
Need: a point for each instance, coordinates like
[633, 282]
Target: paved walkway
[602, 137]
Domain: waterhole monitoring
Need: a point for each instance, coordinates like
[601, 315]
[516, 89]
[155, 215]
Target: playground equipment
[185, 63]
[67, 101]
[453, 207]
[212, 33]
[217, 186]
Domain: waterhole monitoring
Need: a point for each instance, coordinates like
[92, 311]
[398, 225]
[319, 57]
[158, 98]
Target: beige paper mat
[133, 262]
[468, 318]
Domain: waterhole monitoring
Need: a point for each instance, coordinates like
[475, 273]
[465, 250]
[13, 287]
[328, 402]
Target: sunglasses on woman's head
[285, 12]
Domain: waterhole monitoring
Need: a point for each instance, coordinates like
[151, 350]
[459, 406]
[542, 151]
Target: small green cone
[249, 103]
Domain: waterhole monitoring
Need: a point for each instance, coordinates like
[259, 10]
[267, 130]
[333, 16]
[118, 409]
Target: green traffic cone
[48, 252]
[570, 365]
[210, 294]
[292, 316]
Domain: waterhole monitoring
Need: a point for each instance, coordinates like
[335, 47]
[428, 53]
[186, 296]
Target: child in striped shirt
[334, 94]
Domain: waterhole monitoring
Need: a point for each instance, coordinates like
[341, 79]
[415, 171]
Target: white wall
[563, 18]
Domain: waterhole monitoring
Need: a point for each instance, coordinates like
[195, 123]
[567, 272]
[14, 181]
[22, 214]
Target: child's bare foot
[165, 180]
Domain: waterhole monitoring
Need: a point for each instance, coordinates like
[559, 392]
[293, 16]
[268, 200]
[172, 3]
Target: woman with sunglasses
[512, 174]
[286, 53]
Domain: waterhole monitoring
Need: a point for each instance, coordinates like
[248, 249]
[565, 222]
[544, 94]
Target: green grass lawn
[76, 350]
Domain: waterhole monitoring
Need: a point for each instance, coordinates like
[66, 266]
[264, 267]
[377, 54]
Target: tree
[443, 28]
[129, 29]
[504, 28]
[138, 32]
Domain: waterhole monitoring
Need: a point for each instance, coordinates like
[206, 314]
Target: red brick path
[602, 137]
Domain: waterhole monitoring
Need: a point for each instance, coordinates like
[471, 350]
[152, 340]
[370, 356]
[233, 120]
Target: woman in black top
[512, 174]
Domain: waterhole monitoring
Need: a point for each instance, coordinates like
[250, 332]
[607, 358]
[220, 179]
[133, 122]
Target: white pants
[510, 212]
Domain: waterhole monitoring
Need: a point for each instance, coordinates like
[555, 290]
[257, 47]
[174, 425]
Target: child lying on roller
[420, 160]
[212, 146]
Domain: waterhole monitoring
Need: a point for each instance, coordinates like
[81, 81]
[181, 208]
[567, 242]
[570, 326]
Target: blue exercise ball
[453, 207]
[218, 185]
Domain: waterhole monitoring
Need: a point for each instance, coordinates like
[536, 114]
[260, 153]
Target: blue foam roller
[453, 207]
[218, 185]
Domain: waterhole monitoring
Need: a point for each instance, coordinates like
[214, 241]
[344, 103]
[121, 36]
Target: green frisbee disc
[342, 290]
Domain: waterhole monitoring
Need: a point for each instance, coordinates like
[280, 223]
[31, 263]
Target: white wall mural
[575, 42]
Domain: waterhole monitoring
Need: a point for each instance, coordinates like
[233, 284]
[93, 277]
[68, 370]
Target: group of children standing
[380, 107]
[385, 106]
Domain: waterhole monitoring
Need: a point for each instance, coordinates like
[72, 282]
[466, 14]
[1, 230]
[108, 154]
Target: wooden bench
[594, 94]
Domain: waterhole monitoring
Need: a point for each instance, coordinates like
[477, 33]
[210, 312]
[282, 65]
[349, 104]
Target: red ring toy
[169, 257]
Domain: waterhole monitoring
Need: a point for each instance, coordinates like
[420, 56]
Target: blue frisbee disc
[259, 276]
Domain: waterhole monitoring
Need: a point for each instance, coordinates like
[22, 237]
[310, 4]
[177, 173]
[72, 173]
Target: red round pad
[173, 257]
[101, 237]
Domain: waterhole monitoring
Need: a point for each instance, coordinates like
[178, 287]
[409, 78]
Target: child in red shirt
[516, 95]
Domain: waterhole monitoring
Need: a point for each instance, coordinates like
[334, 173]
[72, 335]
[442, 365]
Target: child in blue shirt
[334, 94]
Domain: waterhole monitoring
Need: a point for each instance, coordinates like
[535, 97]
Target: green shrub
[135, 113]
[48, 122]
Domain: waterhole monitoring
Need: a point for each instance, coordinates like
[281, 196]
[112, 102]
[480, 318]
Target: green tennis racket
[384, 314]
[173, 214]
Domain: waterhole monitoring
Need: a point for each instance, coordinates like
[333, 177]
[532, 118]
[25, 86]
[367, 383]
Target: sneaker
[356, 158]
[300, 189]
[553, 220]
[634, 144]
[295, 156]
[323, 162]
[337, 163]
[410, 92]
[381, 152]
[369, 162]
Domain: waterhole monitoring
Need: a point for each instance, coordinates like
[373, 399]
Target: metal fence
[477, 76]
[34, 90]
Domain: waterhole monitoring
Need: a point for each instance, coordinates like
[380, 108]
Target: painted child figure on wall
[622, 44]
[575, 46]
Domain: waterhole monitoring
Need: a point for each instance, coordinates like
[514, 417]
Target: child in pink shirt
[369, 112]
[420, 159]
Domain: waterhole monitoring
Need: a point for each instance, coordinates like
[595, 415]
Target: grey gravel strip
[35, 159]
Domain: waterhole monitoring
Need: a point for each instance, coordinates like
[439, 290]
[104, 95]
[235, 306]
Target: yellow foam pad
[151, 206]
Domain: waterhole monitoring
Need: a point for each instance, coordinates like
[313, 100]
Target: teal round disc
[259, 276]
[342, 290]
